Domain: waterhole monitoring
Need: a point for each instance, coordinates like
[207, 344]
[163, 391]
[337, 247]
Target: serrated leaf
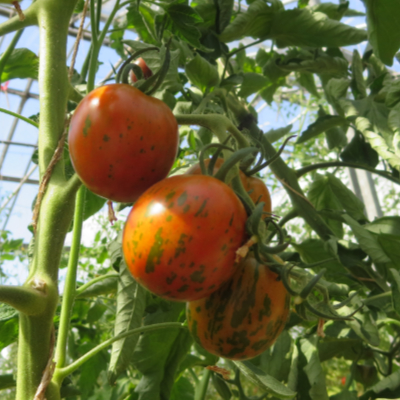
[225, 8]
[255, 22]
[359, 151]
[307, 81]
[101, 288]
[337, 87]
[390, 244]
[201, 73]
[265, 381]
[252, 83]
[153, 351]
[275, 134]
[387, 225]
[322, 124]
[131, 302]
[383, 19]
[22, 63]
[323, 64]
[368, 242]
[358, 84]
[302, 27]
[313, 369]
[386, 388]
[395, 290]
[141, 18]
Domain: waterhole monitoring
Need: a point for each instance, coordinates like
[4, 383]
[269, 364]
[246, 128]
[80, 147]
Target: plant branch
[14, 24]
[62, 373]
[24, 299]
[302, 171]
[5, 56]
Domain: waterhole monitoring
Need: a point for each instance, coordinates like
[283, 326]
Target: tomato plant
[122, 141]
[147, 72]
[181, 236]
[244, 317]
[256, 188]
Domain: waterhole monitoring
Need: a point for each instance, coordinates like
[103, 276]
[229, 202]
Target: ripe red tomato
[147, 73]
[181, 236]
[122, 141]
[244, 317]
[256, 188]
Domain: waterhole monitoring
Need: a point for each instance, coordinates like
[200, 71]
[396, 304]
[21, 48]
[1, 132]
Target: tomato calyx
[306, 302]
[147, 82]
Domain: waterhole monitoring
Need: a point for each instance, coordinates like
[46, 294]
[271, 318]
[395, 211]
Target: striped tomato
[256, 188]
[181, 236]
[244, 317]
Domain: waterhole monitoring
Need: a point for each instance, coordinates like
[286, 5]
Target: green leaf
[313, 369]
[301, 27]
[359, 151]
[322, 124]
[264, 381]
[142, 20]
[184, 19]
[383, 19]
[155, 350]
[92, 204]
[387, 225]
[8, 331]
[307, 81]
[333, 11]
[390, 244]
[386, 388]
[275, 134]
[131, 302]
[357, 84]
[252, 83]
[182, 390]
[255, 22]
[7, 381]
[22, 64]
[221, 386]
[345, 395]
[95, 312]
[368, 242]
[337, 87]
[105, 286]
[395, 290]
[331, 347]
[276, 360]
[201, 73]
[225, 8]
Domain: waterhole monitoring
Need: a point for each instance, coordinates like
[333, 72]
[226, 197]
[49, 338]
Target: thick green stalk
[70, 281]
[35, 333]
[26, 300]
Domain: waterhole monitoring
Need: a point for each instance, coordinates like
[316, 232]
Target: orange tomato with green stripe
[256, 188]
[181, 236]
[244, 317]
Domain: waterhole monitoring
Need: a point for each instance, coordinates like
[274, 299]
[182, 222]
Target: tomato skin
[244, 317]
[122, 141]
[147, 73]
[257, 189]
[181, 236]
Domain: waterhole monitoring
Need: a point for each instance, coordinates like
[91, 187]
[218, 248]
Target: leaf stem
[61, 373]
[28, 120]
[202, 385]
[302, 171]
[70, 281]
[82, 288]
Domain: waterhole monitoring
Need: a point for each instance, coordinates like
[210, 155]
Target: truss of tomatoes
[122, 141]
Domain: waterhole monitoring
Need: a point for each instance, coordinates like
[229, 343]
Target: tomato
[147, 73]
[244, 317]
[181, 236]
[122, 141]
[256, 188]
